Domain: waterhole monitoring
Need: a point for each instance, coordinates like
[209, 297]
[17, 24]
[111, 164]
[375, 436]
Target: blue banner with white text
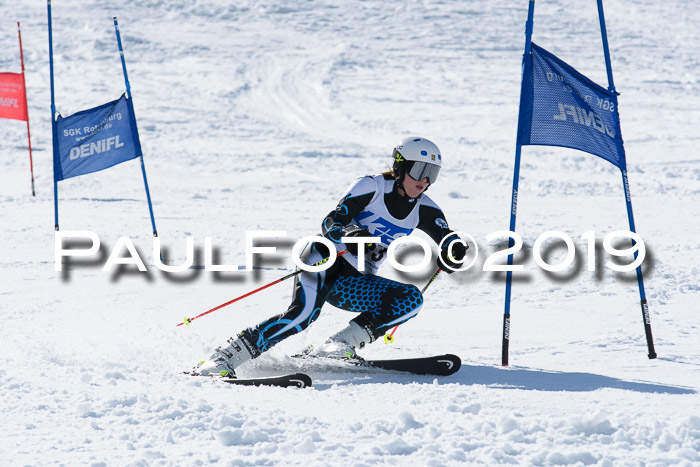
[95, 139]
[561, 107]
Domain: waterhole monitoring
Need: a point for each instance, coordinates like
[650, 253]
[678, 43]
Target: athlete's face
[413, 187]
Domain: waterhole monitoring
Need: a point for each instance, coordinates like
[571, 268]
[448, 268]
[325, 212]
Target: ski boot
[224, 361]
[343, 344]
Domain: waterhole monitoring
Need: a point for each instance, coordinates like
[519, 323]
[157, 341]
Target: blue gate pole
[134, 128]
[529, 25]
[625, 184]
[53, 120]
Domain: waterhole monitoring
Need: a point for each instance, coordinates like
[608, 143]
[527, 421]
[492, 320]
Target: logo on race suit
[377, 226]
[441, 223]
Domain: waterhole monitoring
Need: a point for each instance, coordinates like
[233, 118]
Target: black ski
[295, 380]
[441, 365]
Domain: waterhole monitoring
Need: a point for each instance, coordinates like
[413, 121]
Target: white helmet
[418, 157]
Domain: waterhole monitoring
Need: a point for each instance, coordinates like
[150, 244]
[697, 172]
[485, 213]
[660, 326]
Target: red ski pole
[389, 338]
[189, 320]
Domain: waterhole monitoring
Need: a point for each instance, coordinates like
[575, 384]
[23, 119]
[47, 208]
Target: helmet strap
[399, 177]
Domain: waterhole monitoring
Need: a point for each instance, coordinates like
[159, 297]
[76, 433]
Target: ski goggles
[420, 170]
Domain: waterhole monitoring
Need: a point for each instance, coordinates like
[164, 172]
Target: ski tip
[452, 363]
[301, 380]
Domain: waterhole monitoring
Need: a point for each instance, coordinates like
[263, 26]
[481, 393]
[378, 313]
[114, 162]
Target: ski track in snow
[256, 115]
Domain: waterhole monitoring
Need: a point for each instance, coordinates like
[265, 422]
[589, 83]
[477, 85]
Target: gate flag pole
[134, 129]
[625, 184]
[26, 106]
[54, 129]
[514, 196]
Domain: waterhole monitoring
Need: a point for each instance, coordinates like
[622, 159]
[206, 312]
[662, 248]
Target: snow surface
[256, 115]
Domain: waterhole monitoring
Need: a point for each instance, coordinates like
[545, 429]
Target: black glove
[356, 231]
[459, 251]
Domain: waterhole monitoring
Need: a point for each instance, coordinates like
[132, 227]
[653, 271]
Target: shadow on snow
[496, 378]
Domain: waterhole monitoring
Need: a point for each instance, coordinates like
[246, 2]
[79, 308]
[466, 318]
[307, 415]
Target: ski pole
[189, 320]
[389, 338]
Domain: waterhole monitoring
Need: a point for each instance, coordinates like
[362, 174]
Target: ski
[440, 365]
[295, 380]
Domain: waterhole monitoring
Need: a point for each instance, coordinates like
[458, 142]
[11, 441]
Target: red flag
[12, 97]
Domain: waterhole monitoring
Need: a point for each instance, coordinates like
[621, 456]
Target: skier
[386, 206]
